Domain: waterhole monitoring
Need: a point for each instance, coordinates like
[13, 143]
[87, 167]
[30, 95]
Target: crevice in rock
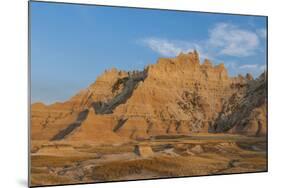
[150, 125]
[240, 110]
[120, 123]
[129, 84]
[70, 128]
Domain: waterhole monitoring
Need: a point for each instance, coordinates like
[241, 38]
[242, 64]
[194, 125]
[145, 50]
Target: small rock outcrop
[143, 151]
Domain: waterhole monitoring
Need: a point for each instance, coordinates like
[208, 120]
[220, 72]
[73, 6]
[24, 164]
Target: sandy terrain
[167, 156]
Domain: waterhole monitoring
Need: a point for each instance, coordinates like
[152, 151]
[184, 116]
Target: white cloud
[253, 67]
[231, 40]
[163, 47]
[223, 39]
[171, 48]
[249, 66]
[235, 69]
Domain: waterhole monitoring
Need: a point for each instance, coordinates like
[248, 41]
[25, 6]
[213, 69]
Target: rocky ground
[68, 163]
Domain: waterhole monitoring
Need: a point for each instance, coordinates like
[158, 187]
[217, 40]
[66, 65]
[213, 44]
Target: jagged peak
[194, 53]
[188, 62]
[249, 76]
[192, 56]
[207, 63]
[220, 66]
[113, 69]
[263, 75]
[240, 76]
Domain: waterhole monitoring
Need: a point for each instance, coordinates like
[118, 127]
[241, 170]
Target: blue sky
[72, 44]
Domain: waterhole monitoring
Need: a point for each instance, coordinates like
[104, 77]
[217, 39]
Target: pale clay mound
[143, 150]
[174, 96]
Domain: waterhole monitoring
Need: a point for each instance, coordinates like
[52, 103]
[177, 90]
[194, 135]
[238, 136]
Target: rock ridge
[174, 96]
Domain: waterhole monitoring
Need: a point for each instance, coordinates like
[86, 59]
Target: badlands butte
[178, 117]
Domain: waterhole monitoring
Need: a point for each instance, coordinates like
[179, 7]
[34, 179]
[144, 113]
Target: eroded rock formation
[174, 96]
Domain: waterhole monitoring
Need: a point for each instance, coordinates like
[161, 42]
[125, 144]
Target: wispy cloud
[254, 69]
[233, 41]
[171, 48]
[223, 39]
[249, 66]
[166, 47]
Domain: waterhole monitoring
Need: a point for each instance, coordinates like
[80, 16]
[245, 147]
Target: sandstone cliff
[174, 96]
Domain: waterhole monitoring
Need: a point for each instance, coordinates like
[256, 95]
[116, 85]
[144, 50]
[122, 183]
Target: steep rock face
[245, 112]
[179, 96]
[174, 96]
